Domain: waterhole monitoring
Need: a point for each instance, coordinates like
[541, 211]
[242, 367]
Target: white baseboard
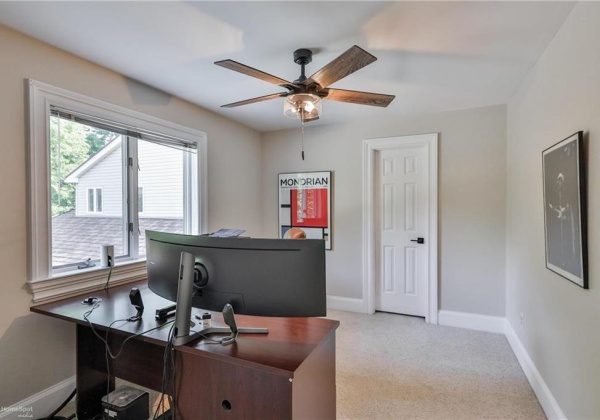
[542, 392]
[341, 303]
[487, 323]
[42, 404]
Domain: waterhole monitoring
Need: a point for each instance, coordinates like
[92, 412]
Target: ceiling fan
[304, 95]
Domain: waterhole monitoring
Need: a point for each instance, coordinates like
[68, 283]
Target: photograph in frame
[565, 209]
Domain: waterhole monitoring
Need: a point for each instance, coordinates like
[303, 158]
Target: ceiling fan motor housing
[302, 56]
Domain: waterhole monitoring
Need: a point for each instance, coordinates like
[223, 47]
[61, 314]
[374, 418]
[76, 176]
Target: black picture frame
[565, 204]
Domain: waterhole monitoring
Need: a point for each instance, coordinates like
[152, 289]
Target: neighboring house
[99, 182]
[97, 217]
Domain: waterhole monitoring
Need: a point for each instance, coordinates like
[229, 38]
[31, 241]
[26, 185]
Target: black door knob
[418, 240]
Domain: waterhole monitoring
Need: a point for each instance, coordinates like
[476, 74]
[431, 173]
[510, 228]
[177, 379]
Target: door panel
[401, 216]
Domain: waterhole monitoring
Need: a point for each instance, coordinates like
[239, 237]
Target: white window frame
[43, 283]
[94, 209]
[140, 199]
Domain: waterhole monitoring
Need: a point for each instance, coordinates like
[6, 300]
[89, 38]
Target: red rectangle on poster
[309, 207]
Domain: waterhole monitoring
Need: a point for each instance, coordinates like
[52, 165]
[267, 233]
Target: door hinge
[131, 227]
[130, 162]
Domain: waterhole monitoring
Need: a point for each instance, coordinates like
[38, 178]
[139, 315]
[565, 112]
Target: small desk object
[288, 373]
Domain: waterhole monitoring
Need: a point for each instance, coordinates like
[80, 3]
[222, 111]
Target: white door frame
[370, 147]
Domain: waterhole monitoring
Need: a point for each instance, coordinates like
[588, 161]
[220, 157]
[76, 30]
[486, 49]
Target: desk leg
[91, 374]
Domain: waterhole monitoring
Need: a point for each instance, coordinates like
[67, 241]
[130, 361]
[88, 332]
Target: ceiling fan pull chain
[302, 134]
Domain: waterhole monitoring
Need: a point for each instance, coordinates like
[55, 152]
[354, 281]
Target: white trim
[43, 403]
[74, 176]
[340, 303]
[501, 325]
[539, 386]
[94, 200]
[494, 324]
[140, 194]
[41, 97]
[370, 147]
[68, 284]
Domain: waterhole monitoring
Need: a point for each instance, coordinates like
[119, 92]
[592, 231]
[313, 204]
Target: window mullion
[132, 219]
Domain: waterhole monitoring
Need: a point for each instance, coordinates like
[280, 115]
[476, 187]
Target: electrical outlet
[521, 318]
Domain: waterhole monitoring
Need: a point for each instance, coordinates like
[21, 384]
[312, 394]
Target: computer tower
[126, 403]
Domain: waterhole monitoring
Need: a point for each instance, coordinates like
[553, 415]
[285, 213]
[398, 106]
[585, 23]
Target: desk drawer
[212, 389]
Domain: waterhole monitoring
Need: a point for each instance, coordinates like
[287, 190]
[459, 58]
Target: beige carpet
[398, 367]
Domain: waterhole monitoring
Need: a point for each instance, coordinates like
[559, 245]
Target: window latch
[86, 264]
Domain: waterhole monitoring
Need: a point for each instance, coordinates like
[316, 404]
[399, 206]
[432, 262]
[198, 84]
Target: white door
[401, 218]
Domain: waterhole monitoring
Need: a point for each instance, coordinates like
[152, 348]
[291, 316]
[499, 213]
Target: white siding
[160, 175]
[106, 174]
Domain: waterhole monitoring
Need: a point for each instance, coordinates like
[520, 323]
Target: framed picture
[565, 209]
[305, 205]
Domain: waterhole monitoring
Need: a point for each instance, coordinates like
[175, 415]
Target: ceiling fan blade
[251, 71]
[361, 98]
[253, 100]
[353, 59]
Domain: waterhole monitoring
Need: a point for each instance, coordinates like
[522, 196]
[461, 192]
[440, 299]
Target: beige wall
[35, 352]
[489, 237]
[472, 165]
[561, 329]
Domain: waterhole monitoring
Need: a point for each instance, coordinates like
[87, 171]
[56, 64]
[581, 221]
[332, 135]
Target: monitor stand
[183, 338]
[183, 314]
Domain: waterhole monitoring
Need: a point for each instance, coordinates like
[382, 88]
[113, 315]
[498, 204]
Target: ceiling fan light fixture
[304, 106]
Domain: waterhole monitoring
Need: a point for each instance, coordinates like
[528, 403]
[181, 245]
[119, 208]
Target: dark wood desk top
[289, 341]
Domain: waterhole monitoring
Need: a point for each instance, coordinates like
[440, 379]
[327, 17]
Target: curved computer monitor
[261, 277]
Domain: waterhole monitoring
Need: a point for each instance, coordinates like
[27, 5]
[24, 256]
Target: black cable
[108, 352]
[109, 273]
[173, 396]
[223, 341]
[55, 418]
[65, 402]
[85, 316]
[160, 407]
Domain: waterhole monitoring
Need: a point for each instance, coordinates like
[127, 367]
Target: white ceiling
[433, 56]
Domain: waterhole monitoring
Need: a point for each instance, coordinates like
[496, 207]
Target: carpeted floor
[398, 367]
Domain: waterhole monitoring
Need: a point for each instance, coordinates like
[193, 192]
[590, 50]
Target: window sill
[69, 284]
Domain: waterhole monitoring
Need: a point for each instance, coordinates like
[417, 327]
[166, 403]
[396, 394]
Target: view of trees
[71, 144]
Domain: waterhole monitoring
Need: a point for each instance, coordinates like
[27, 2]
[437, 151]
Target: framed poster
[565, 209]
[305, 205]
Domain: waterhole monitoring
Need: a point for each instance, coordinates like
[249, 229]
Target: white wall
[472, 159]
[561, 330]
[37, 352]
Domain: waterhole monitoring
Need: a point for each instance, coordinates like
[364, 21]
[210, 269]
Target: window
[94, 200]
[141, 199]
[101, 175]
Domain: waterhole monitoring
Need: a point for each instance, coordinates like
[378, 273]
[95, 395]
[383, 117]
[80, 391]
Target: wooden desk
[288, 373]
